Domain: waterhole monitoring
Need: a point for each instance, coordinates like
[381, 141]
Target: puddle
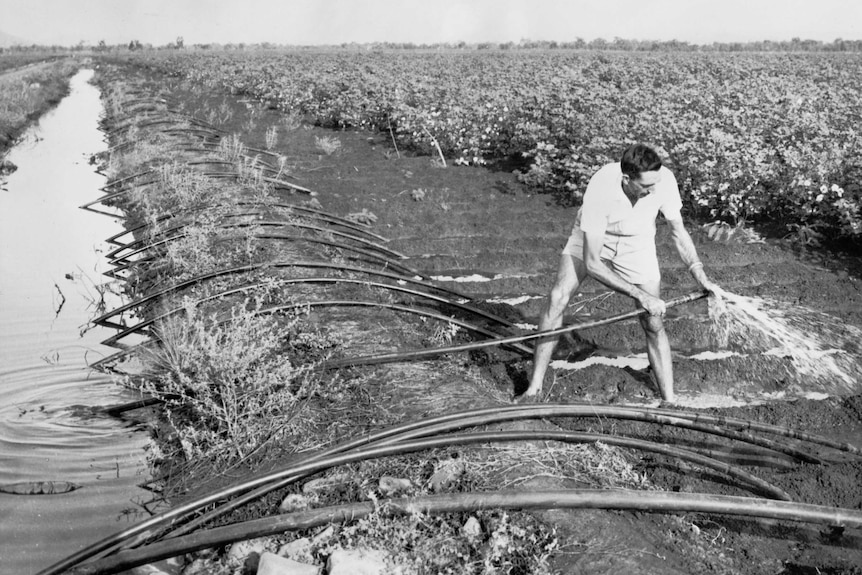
[51, 259]
[517, 300]
[699, 400]
[473, 278]
[479, 278]
[714, 355]
[638, 361]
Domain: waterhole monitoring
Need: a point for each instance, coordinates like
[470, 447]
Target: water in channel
[51, 260]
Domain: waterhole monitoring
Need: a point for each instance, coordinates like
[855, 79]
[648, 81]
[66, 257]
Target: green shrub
[229, 387]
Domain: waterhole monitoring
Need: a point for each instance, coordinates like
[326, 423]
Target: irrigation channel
[51, 261]
[332, 264]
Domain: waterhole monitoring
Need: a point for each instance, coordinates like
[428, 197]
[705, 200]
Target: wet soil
[455, 222]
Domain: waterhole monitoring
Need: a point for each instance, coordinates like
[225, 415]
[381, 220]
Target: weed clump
[327, 144]
[230, 388]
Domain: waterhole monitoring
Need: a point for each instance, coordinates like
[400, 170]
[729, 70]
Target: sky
[310, 22]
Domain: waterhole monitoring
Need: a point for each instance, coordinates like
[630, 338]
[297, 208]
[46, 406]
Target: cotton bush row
[752, 137]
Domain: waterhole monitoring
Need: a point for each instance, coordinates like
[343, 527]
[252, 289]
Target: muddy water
[51, 259]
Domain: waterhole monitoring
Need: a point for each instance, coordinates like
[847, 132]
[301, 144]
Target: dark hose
[422, 353]
[445, 424]
[467, 308]
[304, 213]
[273, 224]
[651, 501]
[744, 424]
[406, 309]
[341, 455]
[262, 266]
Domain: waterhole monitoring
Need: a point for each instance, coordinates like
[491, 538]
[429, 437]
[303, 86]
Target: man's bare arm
[688, 254]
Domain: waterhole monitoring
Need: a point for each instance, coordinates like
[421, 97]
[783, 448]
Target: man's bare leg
[658, 346]
[570, 274]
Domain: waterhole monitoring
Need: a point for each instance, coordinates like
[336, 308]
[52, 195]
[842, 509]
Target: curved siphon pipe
[468, 308]
[371, 255]
[161, 116]
[417, 280]
[120, 260]
[617, 499]
[531, 435]
[110, 196]
[763, 427]
[404, 356]
[255, 163]
[394, 307]
[340, 455]
[308, 213]
[196, 130]
[212, 129]
[214, 175]
[127, 178]
[256, 150]
[448, 423]
[423, 353]
[416, 311]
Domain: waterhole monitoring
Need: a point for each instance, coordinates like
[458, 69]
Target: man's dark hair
[639, 158]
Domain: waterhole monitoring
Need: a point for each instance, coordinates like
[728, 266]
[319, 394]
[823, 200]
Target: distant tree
[102, 47]
[179, 44]
[622, 44]
[135, 45]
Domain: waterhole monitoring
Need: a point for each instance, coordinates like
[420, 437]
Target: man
[613, 240]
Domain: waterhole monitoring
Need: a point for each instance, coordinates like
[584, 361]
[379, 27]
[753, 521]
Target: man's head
[639, 158]
[640, 166]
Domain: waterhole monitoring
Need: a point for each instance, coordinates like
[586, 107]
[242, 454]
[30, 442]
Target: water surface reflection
[51, 260]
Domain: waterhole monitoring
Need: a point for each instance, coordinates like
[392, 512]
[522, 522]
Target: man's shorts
[633, 258]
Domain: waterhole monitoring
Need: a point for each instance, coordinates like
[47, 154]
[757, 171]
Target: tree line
[598, 44]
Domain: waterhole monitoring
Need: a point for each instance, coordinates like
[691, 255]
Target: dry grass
[594, 465]
[327, 144]
[271, 137]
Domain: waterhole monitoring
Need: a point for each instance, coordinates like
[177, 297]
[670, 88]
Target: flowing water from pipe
[51, 260]
[823, 350]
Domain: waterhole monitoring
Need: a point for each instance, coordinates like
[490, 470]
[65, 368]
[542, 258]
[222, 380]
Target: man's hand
[706, 283]
[712, 288]
[654, 305]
